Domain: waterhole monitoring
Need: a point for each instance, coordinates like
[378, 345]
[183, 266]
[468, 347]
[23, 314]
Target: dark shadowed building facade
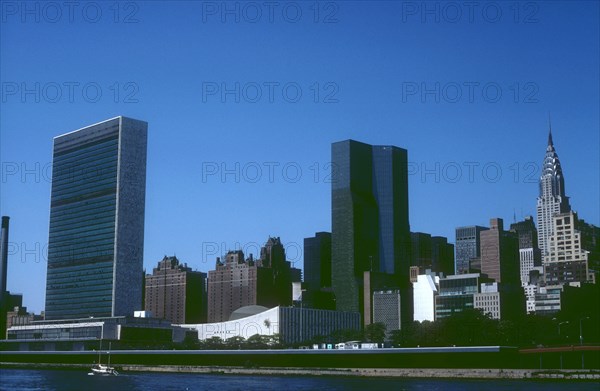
[370, 226]
[317, 272]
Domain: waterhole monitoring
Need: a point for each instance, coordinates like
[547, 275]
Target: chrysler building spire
[552, 198]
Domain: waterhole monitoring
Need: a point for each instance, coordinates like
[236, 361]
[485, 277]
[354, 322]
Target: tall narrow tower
[3, 256]
[552, 198]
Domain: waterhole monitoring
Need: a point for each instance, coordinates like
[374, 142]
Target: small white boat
[101, 369]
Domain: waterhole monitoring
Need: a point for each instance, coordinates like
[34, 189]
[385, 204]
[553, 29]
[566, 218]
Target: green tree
[235, 342]
[375, 332]
[213, 343]
[258, 341]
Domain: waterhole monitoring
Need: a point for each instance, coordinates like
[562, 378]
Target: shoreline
[408, 373]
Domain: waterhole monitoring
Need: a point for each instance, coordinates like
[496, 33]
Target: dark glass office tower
[96, 239]
[390, 189]
[317, 261]
[370, 228]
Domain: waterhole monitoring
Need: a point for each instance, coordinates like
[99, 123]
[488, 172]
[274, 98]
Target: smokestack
[3, 256]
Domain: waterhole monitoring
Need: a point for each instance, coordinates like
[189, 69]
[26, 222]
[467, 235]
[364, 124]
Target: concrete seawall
[439, 373]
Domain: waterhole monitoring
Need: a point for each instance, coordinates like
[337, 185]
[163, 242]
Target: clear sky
[244, 101]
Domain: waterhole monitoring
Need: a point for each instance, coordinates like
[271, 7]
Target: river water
[48, 380]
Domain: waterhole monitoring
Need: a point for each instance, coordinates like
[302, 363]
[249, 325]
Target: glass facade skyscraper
[370, 227]
[96, 236]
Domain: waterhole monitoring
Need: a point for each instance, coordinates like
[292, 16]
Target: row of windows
[75, 258]
[96, 185]
[92, 236]
[81, 217]
[84, 151]
[97, 276]
[99, 226]
[92, 217]
[85, 168]
[99, 203]
[66, 291]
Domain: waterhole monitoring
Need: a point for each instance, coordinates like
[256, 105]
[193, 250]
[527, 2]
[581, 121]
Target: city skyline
[258, 252]
[367, 73]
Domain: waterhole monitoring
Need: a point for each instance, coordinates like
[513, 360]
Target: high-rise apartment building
[232, 285]
[238, 282]
[176, 293]
[96, 237]
[552, 197]
[468, 248]
[370, 226]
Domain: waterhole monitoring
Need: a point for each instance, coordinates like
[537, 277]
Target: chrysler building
[552, 199]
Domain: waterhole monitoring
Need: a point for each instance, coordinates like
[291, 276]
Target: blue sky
[242, 112]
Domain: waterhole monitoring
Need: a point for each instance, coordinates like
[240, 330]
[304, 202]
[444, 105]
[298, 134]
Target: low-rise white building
[425, 288]
[292, 324]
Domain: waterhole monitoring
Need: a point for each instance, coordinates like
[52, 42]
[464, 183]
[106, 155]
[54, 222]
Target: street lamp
[301, 314]
[581, 339]
[581, 329]
[565, 322]
[561, 355]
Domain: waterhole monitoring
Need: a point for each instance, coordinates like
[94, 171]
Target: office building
[96, 238]
[488, 300]
[442, 255]
[552, 197]
[432, 253]
[457, 293]
[590, 241]
[317, 272]
[460, 292]
[387, 309]
[566, 261]
[548, 299]
[468, 248]
[421, 249]
[176, 293]
[500, 253]
[276, 275]
[370, 226]
[529, 253]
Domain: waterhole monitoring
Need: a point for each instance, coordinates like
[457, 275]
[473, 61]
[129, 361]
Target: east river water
[48, 380]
